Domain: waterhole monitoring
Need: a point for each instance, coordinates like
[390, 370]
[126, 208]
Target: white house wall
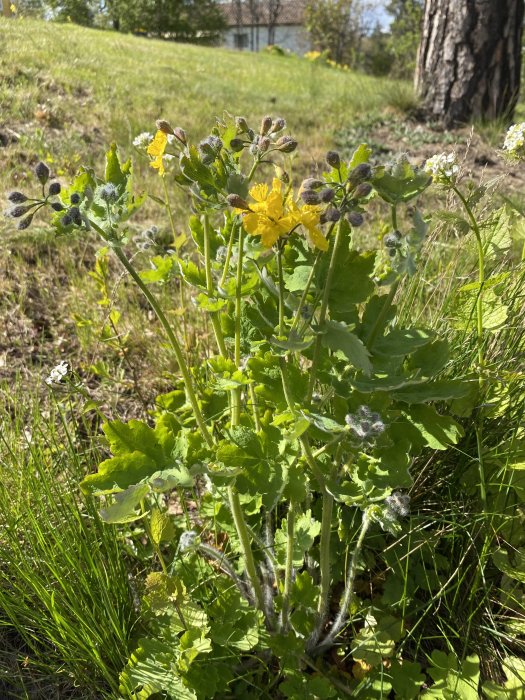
[288, 37]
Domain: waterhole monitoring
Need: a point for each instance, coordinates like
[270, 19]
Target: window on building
[240, 40]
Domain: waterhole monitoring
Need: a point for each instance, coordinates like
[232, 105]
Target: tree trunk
[469, 59]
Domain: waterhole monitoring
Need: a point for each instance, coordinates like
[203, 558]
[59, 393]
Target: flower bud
[66, 220]
[54, 189]
[361, 172]
[109, 193]
[237, 145]
[355, 218]
[286, 144]
[392, 240]
[19, 210]
[215, 142]
[311, 184]
[277, 125]
[42, 172]
[333, 159]
[56, 206]
[180, 134]
[75, 198]
[326, 195]
[241, 124]
[266, 125]
[235, 200]
[74, 213]
[362, 190]
[331, 214]
[25, 223]
[264, 144]
[17, 197]
[163, 125]
[310, 197]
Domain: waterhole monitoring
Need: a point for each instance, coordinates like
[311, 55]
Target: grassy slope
[68, 91]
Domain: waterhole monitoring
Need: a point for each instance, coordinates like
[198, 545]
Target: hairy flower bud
[264, 144]
[163, 125]
[312, 184]
[392, 239]
[75, 198]
[19, 210]
[17, 197]
[266, 125]
[56, 206]
[331, 214]
[25, 223]
[333, 159]
[74, 213]
[277, 125]
[362, 190]
[42, 172]
[109, 193]
[237, 145]
[235, 200]
[398, 504]
[361, 172]
[326, 195]
[54, 189]
[286, 144]
[66, 220]
[241, 124]
[180, 134]
[355, 218]
[310, 197]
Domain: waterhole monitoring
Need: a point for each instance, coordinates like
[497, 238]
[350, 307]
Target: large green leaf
[439, 432]
[337, 337]
[453, 680]
[122, 510]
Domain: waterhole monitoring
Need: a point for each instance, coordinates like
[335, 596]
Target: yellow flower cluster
[156, 151]
[275, 215]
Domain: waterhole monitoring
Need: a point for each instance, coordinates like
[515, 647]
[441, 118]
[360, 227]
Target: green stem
[236, 393]
[306, 290]
[281, 289]
[244, 539]
[346, 601]
[288, 571]
[481, 272]
[168, 208]
[188, 383]
[380, 320]
[322, 314]
[324, 563]
[228, 255]
[215, 320]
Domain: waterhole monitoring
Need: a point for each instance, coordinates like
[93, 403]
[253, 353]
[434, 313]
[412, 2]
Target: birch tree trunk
[469, 59]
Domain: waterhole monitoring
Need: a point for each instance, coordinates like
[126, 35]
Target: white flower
[515, 141]
[143, 140]
[57, 373]
[443, 167]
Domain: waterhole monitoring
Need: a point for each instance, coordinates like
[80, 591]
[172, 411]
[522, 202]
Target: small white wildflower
[143, 140]
[443, 167]
[515, 141]
[57, 373]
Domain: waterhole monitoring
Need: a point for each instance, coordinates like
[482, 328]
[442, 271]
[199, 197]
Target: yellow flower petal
[269, 234]
[158, 164]
[251, 222]
[158, 145]
[316, 239]
[259, 192]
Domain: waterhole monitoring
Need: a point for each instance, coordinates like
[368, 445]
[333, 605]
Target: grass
[66, 606]
[68, 92]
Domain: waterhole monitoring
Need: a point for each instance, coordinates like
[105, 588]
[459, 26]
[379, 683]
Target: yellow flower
[156, 150]
[274, 216]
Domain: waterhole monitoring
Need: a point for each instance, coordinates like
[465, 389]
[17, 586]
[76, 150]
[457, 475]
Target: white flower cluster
[57, 373]
[143, 140]
[515, 141]
[443, 167]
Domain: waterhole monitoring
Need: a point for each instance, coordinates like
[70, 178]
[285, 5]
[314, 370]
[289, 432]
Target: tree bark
[469, 59]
